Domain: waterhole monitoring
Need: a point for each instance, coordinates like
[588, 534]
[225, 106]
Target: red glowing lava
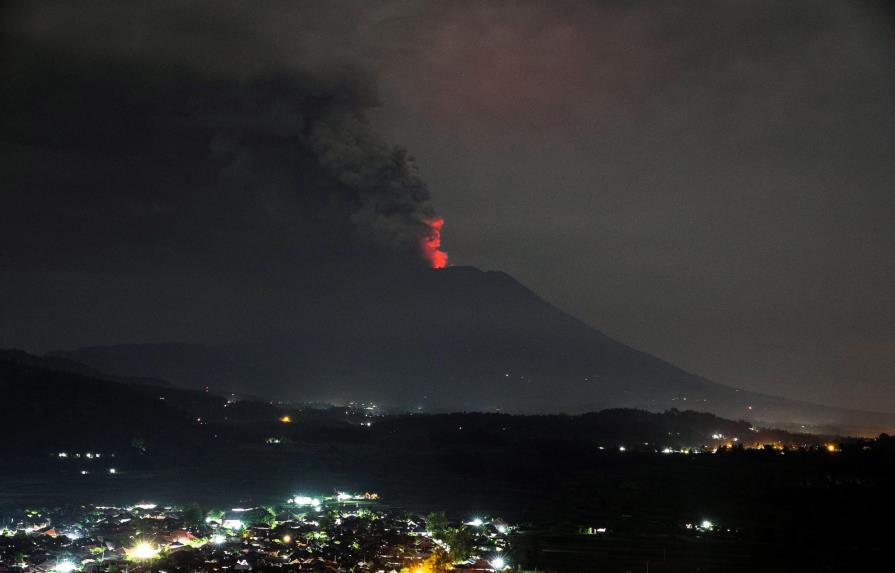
[431, 244]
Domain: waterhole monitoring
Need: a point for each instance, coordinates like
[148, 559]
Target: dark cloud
[526, 68]
[134, 147]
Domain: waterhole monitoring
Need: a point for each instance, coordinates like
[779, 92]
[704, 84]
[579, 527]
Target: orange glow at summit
[431, 244]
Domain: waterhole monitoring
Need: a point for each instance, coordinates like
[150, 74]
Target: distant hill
[638, 430]
[52, 408]
[186, 365]
[457, 339]
[63, 364]
[55, 404]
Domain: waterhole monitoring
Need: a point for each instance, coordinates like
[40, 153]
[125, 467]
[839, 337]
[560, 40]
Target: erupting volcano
[431, 244]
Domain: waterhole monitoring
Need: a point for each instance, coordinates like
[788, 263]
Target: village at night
[343, 532]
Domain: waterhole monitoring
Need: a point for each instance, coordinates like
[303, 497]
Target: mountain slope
[456, 339]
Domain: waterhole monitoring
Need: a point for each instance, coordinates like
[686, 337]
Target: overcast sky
[711, 182]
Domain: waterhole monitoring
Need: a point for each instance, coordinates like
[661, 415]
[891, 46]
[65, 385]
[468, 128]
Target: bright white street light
[143, 551]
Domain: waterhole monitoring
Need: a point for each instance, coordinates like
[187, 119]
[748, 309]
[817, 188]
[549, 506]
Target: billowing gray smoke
[222, 153]
[390, 200]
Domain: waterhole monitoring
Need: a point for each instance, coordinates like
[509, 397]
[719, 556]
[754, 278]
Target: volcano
[455, 339]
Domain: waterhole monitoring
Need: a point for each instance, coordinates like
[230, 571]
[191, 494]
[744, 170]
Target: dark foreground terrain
[619, 490]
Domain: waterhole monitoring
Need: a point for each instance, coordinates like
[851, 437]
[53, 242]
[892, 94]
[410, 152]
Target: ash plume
[231, 153]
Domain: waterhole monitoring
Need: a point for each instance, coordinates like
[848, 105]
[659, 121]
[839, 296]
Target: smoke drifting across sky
[177, 135]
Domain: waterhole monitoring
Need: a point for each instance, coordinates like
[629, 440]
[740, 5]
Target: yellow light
[287, 539]
[832, 448]
[143, 550]
[286, 419]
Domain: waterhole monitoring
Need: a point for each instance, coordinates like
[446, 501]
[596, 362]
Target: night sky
[711, 182]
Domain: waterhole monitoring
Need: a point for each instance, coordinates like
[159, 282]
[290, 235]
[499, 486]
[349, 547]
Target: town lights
[143, 550]
[232, 524]
[218, 539]
[477, 522]
[498, 564]
[706, 524]
[65, 567]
